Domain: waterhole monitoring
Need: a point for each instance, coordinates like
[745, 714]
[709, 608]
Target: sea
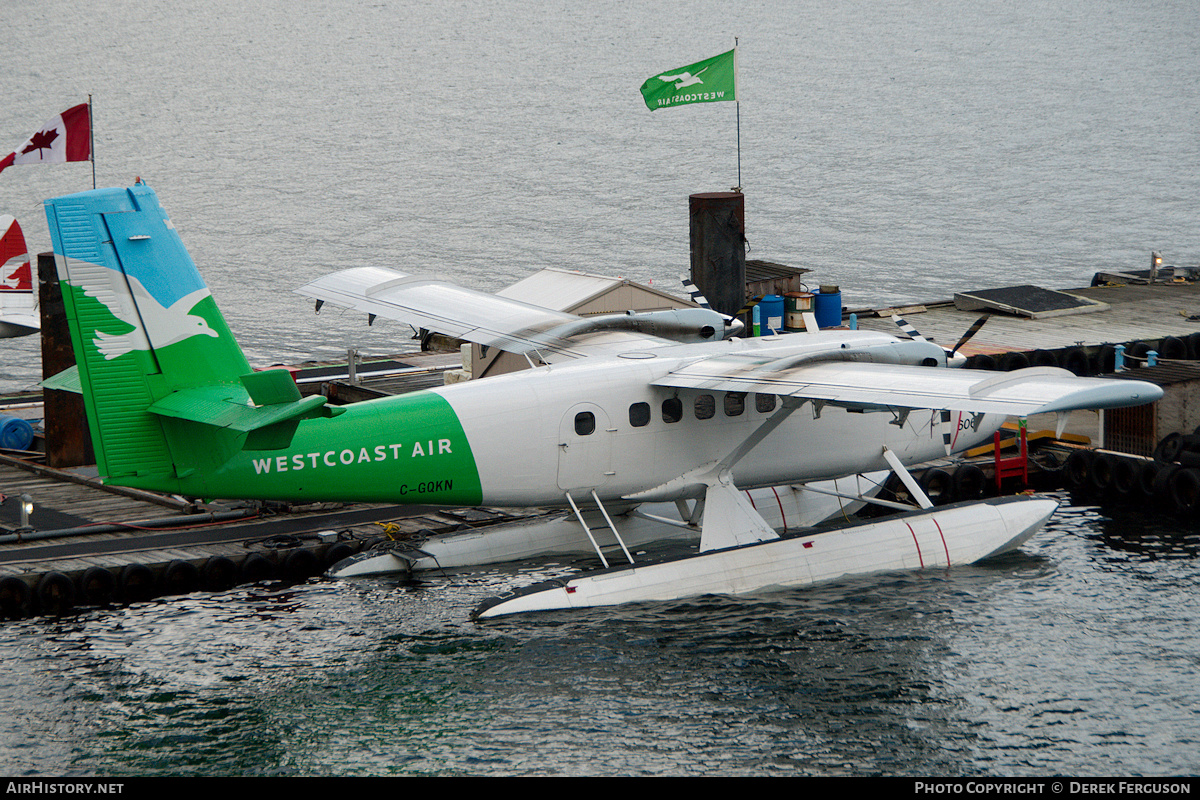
[901, 149]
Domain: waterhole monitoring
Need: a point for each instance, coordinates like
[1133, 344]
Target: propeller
[733, 325]
[952, 357]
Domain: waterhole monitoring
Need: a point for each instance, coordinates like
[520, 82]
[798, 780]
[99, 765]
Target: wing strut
[907, 479]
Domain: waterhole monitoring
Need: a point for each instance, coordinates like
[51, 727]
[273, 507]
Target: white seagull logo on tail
[151, 321]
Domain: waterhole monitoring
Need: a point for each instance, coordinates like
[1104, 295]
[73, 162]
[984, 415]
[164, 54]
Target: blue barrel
[827, 306]
[15, 433]
[771, 314]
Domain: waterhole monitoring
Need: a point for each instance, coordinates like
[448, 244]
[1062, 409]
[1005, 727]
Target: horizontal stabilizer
[264, 399]
[66, 381]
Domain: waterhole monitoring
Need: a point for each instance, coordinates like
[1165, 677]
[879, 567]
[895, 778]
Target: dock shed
[1138, 429]
[576, 293]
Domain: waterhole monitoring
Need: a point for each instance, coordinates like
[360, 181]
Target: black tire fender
[968, 482]
[55, 594]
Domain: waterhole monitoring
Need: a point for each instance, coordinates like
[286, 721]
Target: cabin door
[585, 440]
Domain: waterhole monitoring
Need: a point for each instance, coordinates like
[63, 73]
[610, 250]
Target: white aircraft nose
[733, 327]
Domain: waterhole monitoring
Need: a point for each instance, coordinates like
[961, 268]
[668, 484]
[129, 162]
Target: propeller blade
[908, 329]
[694, 292]
[733, 325]
[971, 331]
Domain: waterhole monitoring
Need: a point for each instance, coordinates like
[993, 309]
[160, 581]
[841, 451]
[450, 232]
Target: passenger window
[585, 423]
[735, 403]
[706, 406]
[672, 409]
[639, 414]
[764, 403]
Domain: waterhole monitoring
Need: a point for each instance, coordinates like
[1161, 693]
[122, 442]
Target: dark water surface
[1076, 656]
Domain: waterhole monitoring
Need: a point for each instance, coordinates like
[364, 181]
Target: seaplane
[660, 418]
[18, 306]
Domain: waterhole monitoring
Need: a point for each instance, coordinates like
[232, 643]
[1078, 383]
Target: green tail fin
[166, 387]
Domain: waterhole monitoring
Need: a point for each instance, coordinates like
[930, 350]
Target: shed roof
[568, 290]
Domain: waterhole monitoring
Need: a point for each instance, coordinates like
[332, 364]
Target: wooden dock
[89, 544]
[1129, 314]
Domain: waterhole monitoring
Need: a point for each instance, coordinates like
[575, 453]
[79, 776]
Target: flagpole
[738, 103]
[92, 144]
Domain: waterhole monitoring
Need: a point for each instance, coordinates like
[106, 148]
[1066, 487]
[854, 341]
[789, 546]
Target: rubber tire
[257, 567]
[336, 552]
[1076, 362]
[1105, 361]
[1168, 450]
[983, 361]
[14, 597]
[300, 564]
[1193, 343]
[1014, 361]
[55, 594]
[1173, 348]
[936, 485]
[1101, 478]
[1147, 472]
[1185, 490]
[218, 573]
[1125, 479]
[135, 583]
[1136, 355]
[968, 483]
[1078, 470]
[97, 586]
[1043, 358]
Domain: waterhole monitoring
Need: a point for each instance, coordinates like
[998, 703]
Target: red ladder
[1013, 465]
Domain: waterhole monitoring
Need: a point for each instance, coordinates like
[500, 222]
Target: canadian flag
[67, 137]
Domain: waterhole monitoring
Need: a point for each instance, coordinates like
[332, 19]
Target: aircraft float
[623, 414]
[18, 306]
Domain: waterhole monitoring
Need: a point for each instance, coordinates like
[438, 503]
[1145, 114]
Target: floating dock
[1077, 329]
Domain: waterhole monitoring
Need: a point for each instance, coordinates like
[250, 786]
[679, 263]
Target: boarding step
[589, 531]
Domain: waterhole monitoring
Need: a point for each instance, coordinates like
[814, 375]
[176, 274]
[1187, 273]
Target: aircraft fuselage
[527, 438]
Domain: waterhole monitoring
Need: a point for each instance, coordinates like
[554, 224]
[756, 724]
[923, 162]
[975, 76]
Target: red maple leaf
[40, 141]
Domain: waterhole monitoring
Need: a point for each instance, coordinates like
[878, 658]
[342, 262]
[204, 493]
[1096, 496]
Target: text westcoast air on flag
[712, 80]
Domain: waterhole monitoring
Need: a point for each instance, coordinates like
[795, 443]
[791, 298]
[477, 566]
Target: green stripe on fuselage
[407, 449]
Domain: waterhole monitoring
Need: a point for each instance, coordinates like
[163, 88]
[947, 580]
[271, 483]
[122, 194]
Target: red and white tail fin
[18, 309]
[14, 258]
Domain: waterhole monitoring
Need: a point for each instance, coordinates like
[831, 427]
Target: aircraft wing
[1033, 390]
[427, 302]
[480, 317]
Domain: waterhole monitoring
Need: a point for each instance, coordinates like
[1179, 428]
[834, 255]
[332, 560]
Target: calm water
[902, 150]
[1077, 656]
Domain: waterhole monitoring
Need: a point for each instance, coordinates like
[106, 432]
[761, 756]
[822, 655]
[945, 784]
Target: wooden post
[718, 237]
[68, 441]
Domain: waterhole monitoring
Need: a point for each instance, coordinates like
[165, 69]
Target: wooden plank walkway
[92, 545]
[1135, 313]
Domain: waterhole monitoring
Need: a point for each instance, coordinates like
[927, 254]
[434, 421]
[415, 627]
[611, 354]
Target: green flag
[708, 81]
